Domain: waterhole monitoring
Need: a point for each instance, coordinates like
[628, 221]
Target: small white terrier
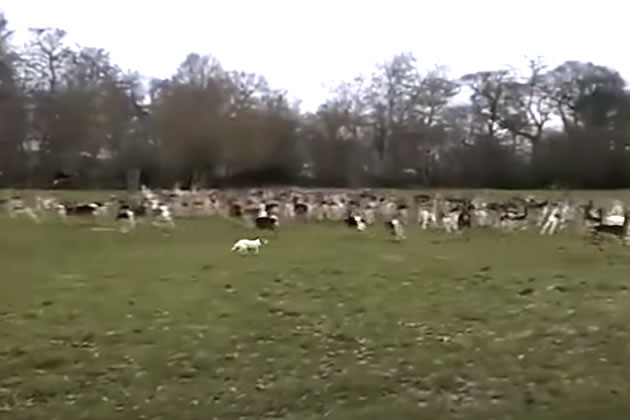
[243, 246]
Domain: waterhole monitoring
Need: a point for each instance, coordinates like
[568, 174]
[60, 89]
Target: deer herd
[267, 209]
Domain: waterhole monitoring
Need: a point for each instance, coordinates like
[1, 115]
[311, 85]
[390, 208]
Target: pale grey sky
[305, 46]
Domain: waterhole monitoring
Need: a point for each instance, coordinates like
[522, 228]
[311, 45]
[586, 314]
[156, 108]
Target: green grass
[101, 325]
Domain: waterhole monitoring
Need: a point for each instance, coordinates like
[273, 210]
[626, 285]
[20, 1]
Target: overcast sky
[306, 46]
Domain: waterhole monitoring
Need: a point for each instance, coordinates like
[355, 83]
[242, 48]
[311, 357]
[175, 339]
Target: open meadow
[325, 322]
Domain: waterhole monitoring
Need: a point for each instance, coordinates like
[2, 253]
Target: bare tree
[584, 93]
[13, 123]
[527, 104]
[489, 89]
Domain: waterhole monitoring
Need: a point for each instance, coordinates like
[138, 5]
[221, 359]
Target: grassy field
[323, 323]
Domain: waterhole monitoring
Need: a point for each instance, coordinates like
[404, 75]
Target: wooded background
[66, 108]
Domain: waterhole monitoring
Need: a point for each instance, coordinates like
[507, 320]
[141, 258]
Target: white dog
[243, 246]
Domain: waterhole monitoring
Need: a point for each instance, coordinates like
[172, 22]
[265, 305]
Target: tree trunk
[133, 179]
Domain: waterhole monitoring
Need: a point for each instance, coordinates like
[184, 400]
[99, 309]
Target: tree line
[68, 109]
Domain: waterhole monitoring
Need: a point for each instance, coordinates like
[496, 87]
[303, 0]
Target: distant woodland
[69, 109]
